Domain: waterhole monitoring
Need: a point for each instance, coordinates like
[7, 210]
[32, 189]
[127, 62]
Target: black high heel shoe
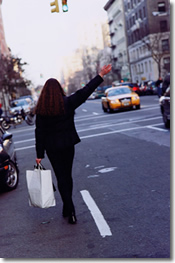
[72, 218]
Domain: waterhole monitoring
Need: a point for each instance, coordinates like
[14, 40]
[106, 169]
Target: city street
[121, 176]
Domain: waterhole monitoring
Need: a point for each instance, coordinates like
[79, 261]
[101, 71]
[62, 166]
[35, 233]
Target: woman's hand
[38, 160]
[105, 70]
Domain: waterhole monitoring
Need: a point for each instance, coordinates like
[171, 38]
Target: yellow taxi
[120, 97]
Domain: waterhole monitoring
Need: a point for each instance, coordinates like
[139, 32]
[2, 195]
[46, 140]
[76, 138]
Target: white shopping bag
[40, 188]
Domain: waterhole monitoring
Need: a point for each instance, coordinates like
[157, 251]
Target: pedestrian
[1, 111]
[158, 85]
[56, 134]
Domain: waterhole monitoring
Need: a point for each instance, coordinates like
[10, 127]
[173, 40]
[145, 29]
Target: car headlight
[135, 97]
[115, 101]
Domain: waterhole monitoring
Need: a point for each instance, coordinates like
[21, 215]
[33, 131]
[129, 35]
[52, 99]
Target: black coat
[58, 132]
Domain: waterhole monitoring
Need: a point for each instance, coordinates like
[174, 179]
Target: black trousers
[62, 162]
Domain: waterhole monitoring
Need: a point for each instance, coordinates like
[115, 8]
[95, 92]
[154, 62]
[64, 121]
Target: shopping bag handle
[39, 166]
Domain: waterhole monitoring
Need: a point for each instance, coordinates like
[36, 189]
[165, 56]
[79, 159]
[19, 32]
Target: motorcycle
[17, 118]
[9, 172]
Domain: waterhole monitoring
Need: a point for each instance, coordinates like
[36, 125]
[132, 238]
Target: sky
[42, 38]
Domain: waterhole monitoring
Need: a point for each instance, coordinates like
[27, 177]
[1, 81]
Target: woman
[55, 133]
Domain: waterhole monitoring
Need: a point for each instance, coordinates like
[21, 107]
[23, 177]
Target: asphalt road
[121, 192]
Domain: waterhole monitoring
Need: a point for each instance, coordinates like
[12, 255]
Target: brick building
[148, 33]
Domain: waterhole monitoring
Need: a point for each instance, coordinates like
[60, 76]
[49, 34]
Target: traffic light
[64, 6]
[56, 9]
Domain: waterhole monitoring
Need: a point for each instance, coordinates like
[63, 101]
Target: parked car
[16, 105]
[92, 96]
[165, 83]
[151, 88]
[9, 174]
[134, 86]
[26, 97]
[148, 88]
[165, 107]
[100, 91]
[143, 88]
[120, 97]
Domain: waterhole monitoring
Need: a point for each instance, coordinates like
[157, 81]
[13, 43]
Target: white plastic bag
[40, 188]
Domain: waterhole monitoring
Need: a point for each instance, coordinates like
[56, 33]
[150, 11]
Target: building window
[146, 67]
[136, 15]
[166, 62]
[129, 40]
[140, 50]
[161, 7]
[165, 45]
[139, 69]
[139, 34]
[140, 13]
[146, 29]
[163, 26]
[142, 67]
[132, 39]
[130, 20]
[150, 66]
[134, 36]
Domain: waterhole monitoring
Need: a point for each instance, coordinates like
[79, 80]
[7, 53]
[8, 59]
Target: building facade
[116, 20]
[148, 33]
[3, 46]
[140, 38]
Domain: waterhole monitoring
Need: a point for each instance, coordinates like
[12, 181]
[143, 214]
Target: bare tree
[154, 45]
[11, 69]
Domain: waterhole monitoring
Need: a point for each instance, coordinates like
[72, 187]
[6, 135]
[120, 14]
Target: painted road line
[88, 136]
[110, 132]
[97, 215]
[104, 125]
[22, 129]
[89, 117]
[24, 148]
[107, 125]
[156, 128]
[27, 140]
[92, 135]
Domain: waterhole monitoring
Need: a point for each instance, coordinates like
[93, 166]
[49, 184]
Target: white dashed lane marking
[96, 214]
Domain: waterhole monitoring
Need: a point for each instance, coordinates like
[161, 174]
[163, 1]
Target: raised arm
[81, 95]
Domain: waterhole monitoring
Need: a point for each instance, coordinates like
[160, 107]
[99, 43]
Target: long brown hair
[50, 102]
